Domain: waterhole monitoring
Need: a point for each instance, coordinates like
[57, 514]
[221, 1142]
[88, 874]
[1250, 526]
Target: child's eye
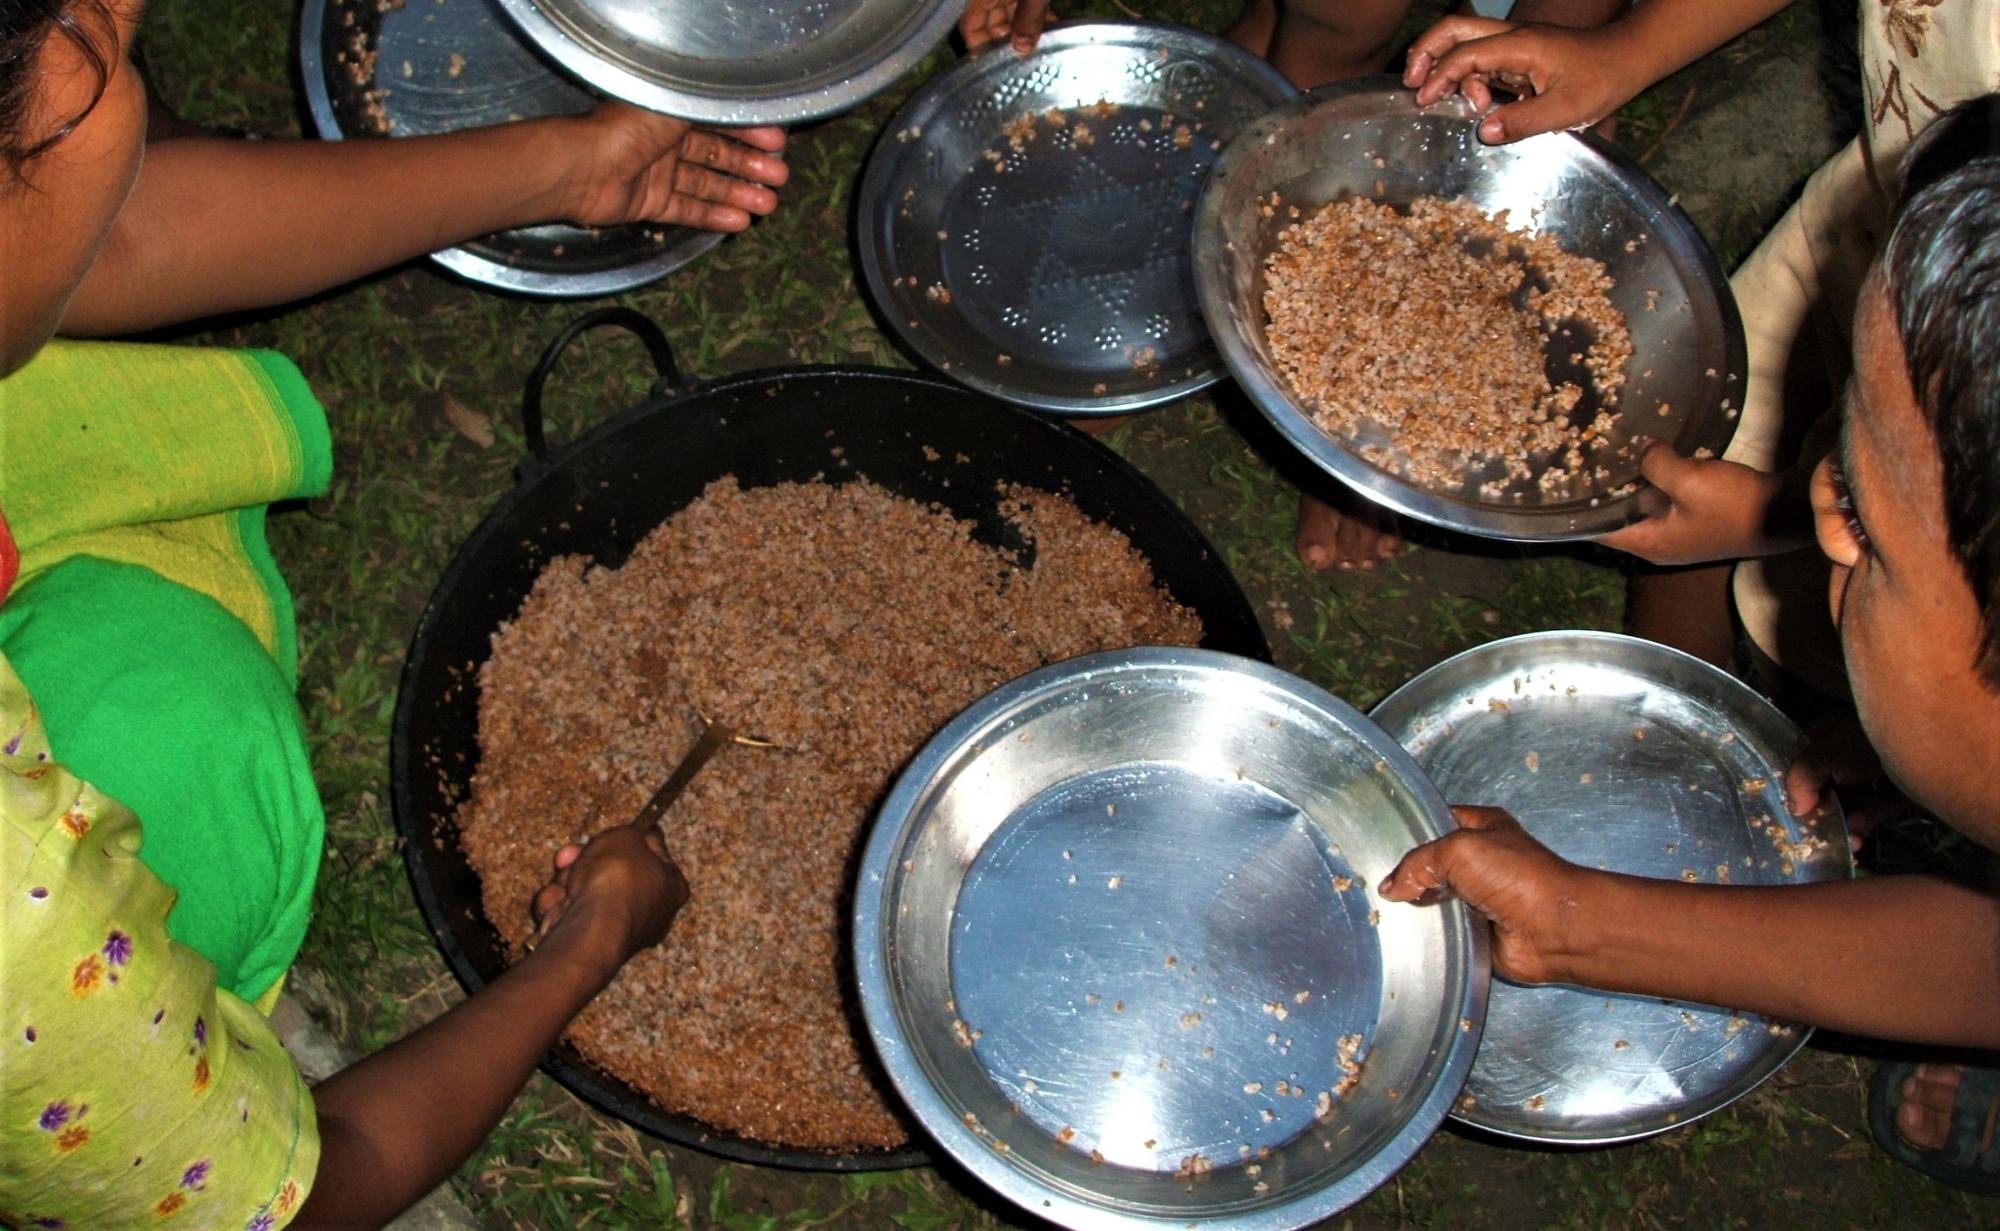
[1843, 500]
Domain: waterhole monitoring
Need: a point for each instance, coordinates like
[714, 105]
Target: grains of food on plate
[1190, 1020]
[1193, 1165]
[1536, 1103]
[1533, 761]
[612, 666]
[1410, 322]
[1620, 1045]
[1067, 1135]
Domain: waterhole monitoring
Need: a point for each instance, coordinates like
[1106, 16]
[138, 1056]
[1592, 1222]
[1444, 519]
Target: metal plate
[1619, 754]
[1057, 275]
[1124, 905]
[432, 66]
[736, 62]
[1346, 139]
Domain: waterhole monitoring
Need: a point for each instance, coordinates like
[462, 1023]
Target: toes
[1924, 1127]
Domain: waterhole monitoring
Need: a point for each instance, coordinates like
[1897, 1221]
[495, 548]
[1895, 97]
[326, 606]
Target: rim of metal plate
[1446, 683]
[1709, 427]
[470, 260]
[575, 35]
[886, 1012]
[875, 207]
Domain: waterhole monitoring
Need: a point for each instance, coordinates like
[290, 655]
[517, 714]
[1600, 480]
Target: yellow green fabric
[167, 702]
[133, 1091]
[152, 626]
[163, 456]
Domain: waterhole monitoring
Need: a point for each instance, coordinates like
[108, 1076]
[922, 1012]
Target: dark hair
[1943, 270]
[25, 26]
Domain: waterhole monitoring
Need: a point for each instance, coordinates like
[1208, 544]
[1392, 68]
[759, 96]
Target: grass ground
[401, 358]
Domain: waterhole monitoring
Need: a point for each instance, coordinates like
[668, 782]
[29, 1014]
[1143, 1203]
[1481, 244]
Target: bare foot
[1924, 1116]
[1347, 538]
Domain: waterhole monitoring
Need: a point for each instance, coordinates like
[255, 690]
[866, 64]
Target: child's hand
[1838, 755]
[1713, 510]
[633, 165]
[989, 21]
[1566, 78]
[617, 893]
[1503, 873]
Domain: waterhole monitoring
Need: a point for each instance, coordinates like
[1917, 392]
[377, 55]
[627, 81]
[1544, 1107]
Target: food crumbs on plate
[1191, 1166]
[959, 1030]
[1341, 884]
[1172, 961]
[1620, 1045]
[457, 65]
[971, 1121]
[1498, 706]
[1116, 1074]
[1208, 1053]
[1067, 1135]
[1117, 1006]
[1536, 1103]
[1690, 875]
[1586, 778]
[1253, 1087]
[1069, 854]
[1030, 1086]
[1465, 1025]
[1467, 1103]
[1374, 918]
[1533, 761]
[1271, 1038]
[1114, 882]
[1099, 389]
[1752, 786]
[1003, 360]
[1639, 733]
[1268, 1115]
[1096, 1158]
[1302, 997]
[1092, 998]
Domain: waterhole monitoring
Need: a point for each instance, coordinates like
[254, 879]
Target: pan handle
[669, 373]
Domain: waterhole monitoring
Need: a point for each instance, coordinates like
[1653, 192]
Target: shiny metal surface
[431, 66]
[1125, 905]
[1326, 146]
[1046, 275]
[736, 61]
[1621, 754]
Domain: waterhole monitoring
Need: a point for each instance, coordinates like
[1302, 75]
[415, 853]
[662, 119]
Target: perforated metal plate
[1025, 221]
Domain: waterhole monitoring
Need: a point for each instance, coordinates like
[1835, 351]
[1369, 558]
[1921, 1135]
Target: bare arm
[220, 225]
[398, 1123]
[1901, 957]
[1569, 78]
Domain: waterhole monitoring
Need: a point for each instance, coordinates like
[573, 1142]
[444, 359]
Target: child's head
[72, 126]
[1909, 509]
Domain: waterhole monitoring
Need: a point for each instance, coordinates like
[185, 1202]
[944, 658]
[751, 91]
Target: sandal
[1969, 1160]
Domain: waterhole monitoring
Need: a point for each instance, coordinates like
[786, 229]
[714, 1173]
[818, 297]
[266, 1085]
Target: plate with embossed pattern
[1026, 221]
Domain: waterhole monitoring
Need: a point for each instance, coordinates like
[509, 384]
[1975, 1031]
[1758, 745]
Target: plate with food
[1119, 948]
[373, 68]
[1025, 220]
[1626, 755]
[1479, 337]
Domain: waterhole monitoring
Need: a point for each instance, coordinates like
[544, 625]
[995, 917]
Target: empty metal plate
[1625, 755]
[411, 67]
[1367, 137]
[1119, 949]
[737, 62]
[1025, 221]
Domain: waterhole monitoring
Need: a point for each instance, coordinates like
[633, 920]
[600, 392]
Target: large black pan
[600, 495]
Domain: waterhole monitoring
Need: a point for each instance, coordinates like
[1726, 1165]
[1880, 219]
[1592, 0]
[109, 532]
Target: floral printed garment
[133, 1092]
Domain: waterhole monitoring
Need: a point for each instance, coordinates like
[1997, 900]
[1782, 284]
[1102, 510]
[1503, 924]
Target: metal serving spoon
[714, 737]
